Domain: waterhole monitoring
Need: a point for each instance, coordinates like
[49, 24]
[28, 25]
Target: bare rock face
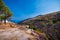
[16, 34]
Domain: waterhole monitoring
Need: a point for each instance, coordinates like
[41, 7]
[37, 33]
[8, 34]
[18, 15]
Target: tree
[4, 12]
[1, 9]
[7, 14]
[1, 18]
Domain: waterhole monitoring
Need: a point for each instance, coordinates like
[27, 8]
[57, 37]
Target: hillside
[49, 24]
[12, 31]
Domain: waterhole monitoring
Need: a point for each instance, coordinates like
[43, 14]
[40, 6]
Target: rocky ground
[10, 31]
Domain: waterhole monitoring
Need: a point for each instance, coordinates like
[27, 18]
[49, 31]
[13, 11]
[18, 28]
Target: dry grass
[7, 25]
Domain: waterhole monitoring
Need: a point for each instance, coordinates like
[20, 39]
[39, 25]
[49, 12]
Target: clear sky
[23, 9]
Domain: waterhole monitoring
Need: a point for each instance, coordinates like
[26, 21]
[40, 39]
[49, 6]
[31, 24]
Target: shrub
[43, 24]
[50, 22]
[58, 22]
[34, 28]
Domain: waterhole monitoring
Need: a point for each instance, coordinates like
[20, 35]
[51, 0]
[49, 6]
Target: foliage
[4, 12]
[58, 22]
[7, 14]
[31, 27]
[43, 24]
[50, 22]
[34, 28]
[1, 5]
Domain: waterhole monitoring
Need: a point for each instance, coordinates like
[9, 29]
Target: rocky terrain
[49, 24]
[12, 31]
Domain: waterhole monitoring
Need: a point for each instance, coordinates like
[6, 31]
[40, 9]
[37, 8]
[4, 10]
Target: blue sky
[23, 9]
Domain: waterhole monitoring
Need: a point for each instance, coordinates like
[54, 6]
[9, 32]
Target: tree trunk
[5, 21]
[0, 20]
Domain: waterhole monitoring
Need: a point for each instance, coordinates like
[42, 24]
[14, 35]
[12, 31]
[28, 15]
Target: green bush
[50, 22]
[58, 22]
[34, 28]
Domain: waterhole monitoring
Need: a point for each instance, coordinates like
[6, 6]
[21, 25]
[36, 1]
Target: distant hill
[49, 24]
